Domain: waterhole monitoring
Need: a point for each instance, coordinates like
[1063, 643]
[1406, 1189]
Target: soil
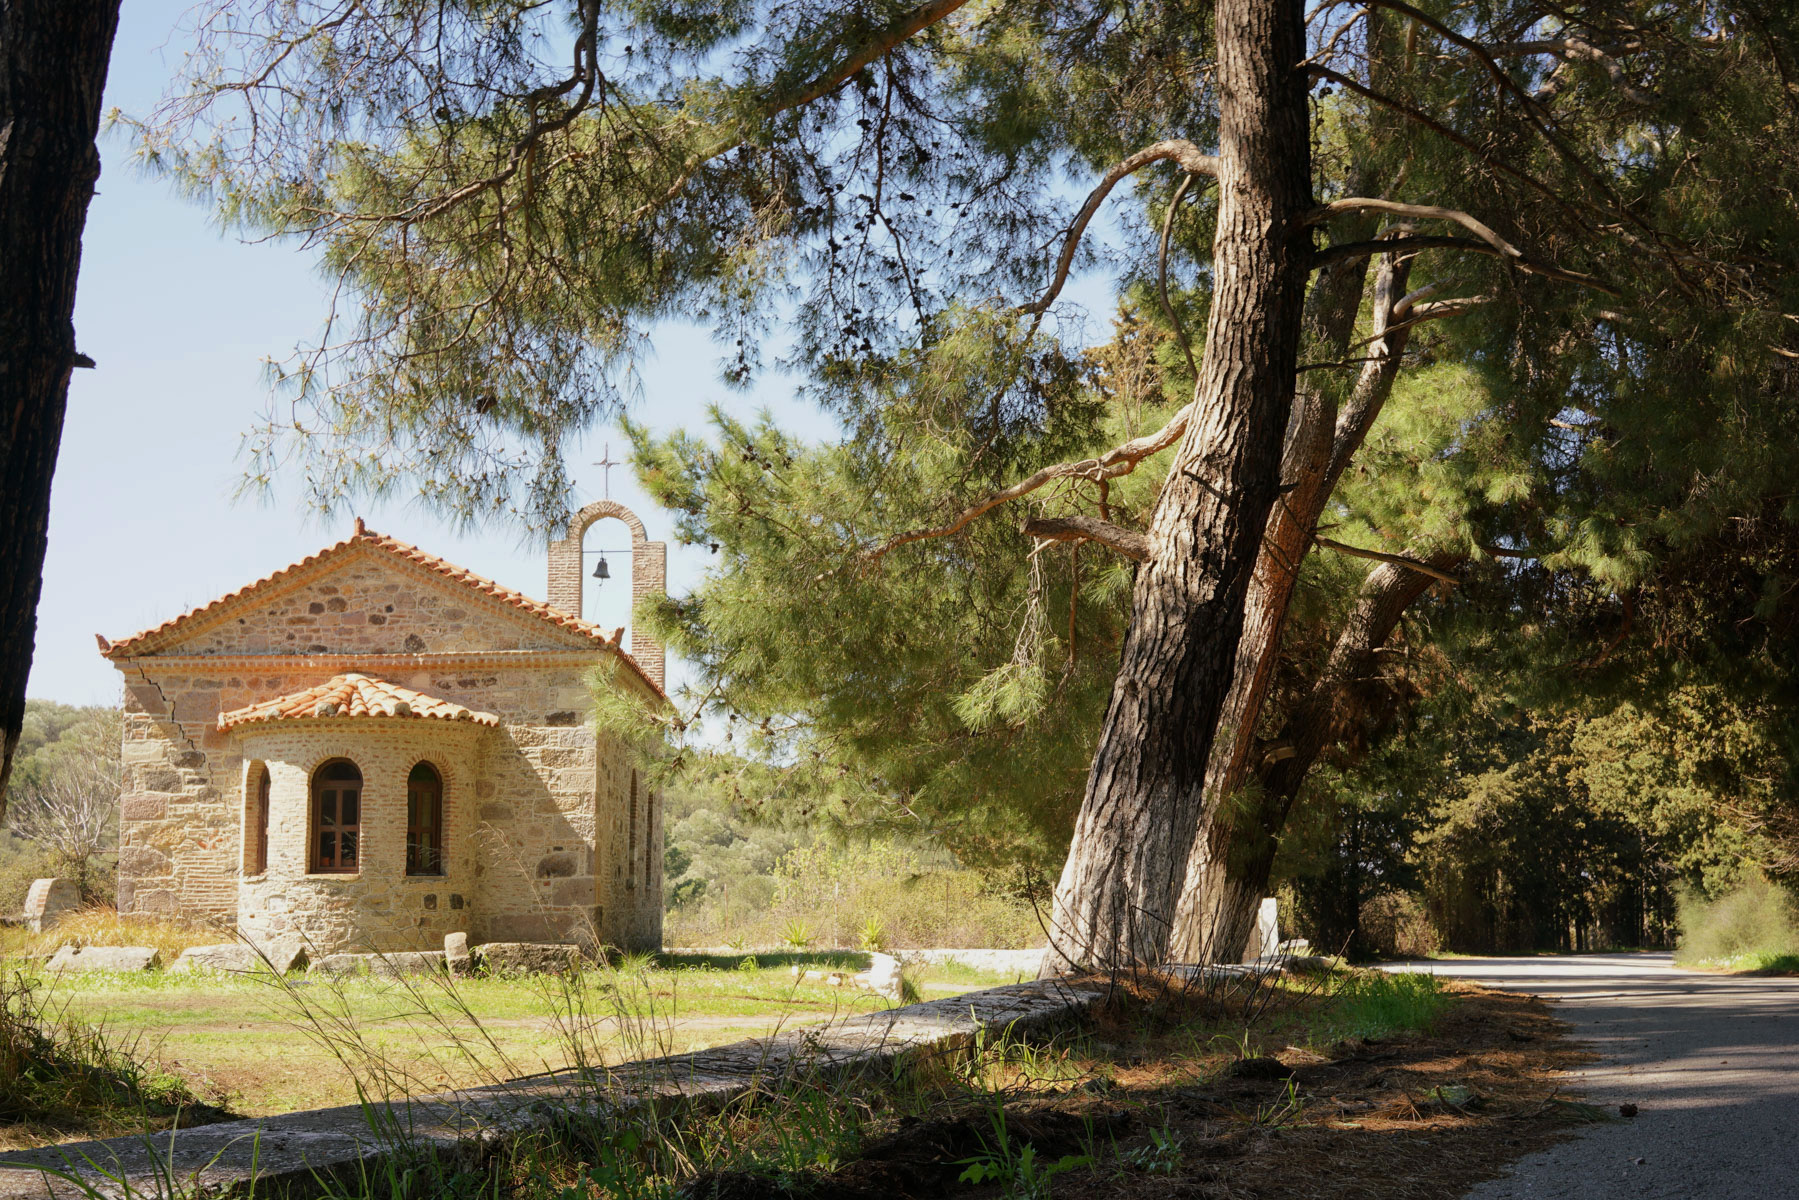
[1418, 1115]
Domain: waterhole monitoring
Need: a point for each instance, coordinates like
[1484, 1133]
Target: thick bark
[1235, 877]
[1213, 924]
[1115, 902]
[53, 57]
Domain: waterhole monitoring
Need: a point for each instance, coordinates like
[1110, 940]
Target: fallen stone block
[389, 966]
[284, 953]
[456, 954]
[105, 958]
[527, 958]
[883, 977]
[240, 958]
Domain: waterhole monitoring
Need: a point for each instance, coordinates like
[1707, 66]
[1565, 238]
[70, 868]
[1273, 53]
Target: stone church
[373, 748]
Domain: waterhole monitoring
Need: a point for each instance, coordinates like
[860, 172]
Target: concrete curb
[294, 1154]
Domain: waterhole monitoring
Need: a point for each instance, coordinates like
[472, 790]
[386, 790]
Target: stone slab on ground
[294, 1155]
[48, 901]
[1005, 962]
[527, 958]
[239, 958]
[389, 965]
[104, 958]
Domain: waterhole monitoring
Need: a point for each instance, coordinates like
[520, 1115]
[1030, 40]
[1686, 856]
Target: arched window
[256, 822]
[424, 821]
[336, 817]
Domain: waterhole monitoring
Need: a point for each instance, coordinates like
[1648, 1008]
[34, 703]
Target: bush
[1757, 920]
[1397, 925]
[838, 894]
[20, 863]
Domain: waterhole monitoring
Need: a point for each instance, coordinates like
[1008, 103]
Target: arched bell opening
[608, 564]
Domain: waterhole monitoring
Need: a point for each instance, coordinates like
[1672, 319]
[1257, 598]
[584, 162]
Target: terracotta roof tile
[354, 696]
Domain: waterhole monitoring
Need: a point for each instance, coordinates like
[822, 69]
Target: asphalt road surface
[1711, 1061]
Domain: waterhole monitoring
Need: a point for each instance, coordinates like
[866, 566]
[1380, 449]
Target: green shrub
[20, 863]
[64, 1075]
[841, 895]
[1756, 921]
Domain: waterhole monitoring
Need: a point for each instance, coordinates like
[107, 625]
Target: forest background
[1567, 686]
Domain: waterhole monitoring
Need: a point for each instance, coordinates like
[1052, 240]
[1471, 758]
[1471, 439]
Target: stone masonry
[546, 834]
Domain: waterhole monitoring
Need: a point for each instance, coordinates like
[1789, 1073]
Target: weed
[1016, 1168]
[798, 935]
[1284, 1109]
[65, 1074]
[1377, 1004]
[1161, 1157]
[104, 927]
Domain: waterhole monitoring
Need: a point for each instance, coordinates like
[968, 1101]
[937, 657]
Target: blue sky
[180, 319]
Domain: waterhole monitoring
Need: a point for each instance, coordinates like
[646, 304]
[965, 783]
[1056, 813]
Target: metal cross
[606, 463]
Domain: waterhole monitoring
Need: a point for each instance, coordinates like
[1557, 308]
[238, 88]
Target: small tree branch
[1177, 150]
[1397, 560]
[1433, 212]
[881, 42]
[1127, 542]
[1174, 320]
[1331, 254]
[1120, 460]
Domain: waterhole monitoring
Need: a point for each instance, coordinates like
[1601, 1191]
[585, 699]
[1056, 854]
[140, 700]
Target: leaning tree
[53, 57]
[511, 193]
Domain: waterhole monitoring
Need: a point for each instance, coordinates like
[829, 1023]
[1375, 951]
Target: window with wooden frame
[256, 822]
[424, 821]
[336, 818]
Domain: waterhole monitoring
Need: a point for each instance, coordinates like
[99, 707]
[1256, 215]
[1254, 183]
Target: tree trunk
[1212, 922]
[1235, 877]
[53, 58]
[1330, 323]
[1115, 902]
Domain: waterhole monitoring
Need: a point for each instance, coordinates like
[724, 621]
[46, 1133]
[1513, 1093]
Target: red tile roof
[148, 639]
[354, 696]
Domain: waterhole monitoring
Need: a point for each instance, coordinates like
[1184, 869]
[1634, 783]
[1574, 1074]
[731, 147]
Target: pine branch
[1127, 542]
[1397, 560]
[1412, 242]
[1177, 150]
[881, 42]
[1120, 460]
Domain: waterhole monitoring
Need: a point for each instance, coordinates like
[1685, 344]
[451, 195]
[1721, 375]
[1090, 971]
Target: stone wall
[379, 907]
[370, 602]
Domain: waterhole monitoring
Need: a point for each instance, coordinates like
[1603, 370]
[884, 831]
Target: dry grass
[1169, 1093]
[105, 927]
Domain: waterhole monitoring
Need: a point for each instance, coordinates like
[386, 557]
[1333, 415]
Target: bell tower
[649, 577]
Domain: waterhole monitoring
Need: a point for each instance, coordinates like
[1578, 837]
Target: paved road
[1712, 1062]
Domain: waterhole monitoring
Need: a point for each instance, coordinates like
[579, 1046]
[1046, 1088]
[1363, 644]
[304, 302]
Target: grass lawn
[258, 1046]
